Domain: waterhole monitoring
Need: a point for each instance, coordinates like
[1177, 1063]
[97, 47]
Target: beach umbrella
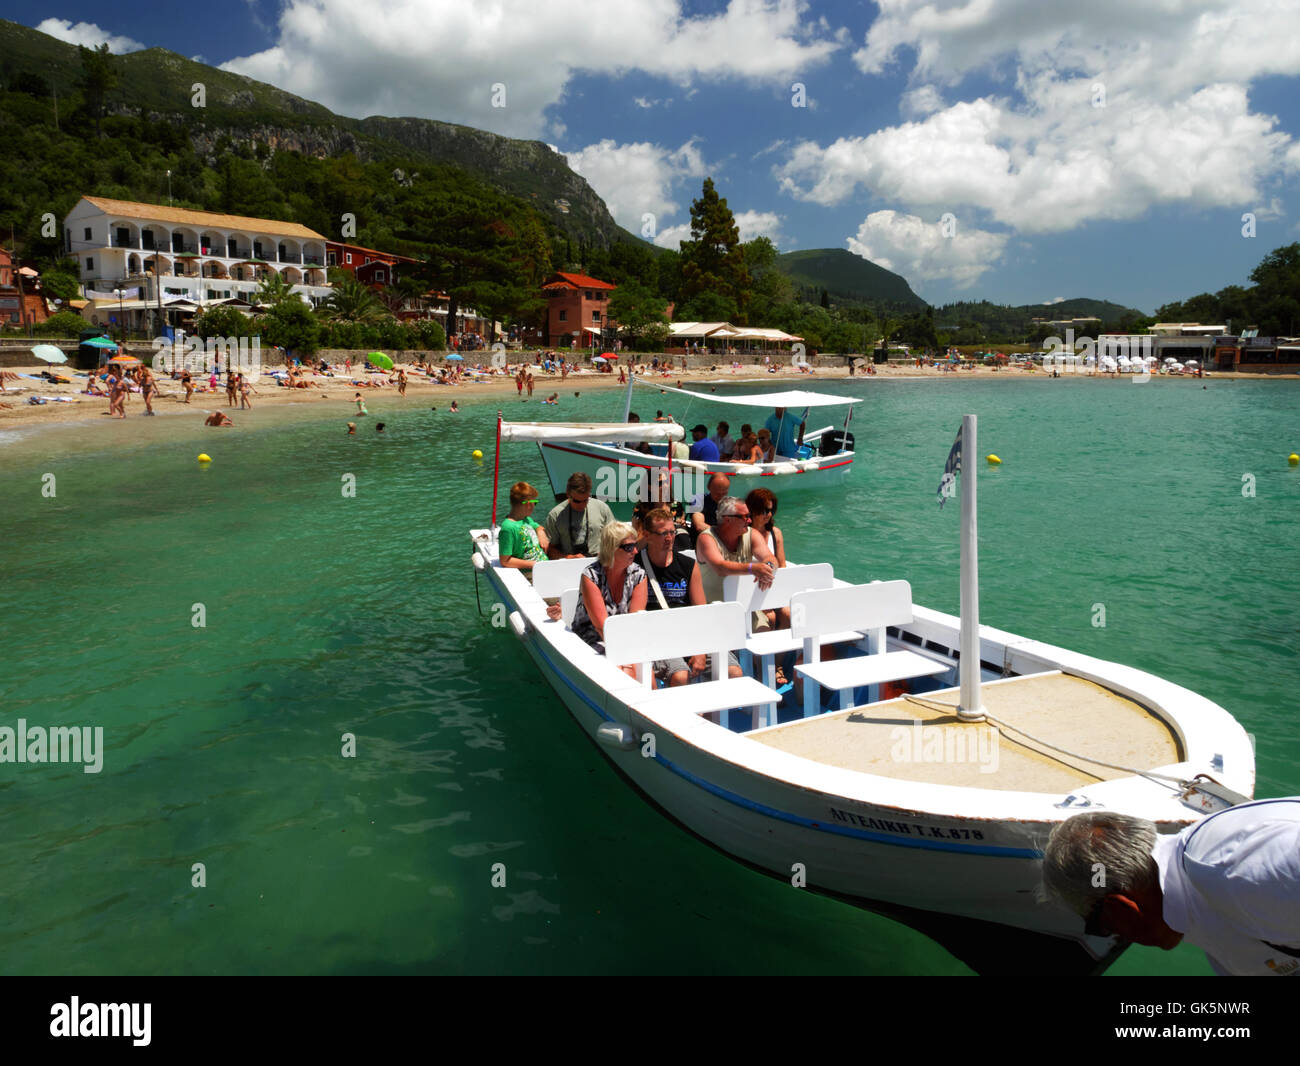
[125, 360]
[381, 360]
[49, 354]
[453, 358]
[599, 359]
[100, 342]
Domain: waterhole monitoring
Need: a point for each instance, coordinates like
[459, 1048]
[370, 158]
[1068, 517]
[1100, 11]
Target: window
[379, 275]
[87, 236]
[367, 262]
[90, 263]
[564, 316]
[595, 318]
[349, 258]
[333, 259]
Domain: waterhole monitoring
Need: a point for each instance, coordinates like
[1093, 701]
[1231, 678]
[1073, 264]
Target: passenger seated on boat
[636, 446]
[767, 450]
[674, 581]
[522, 541]
[705, 508]
[613, 584]
[730, 548]
[574, 527]
[762, 514]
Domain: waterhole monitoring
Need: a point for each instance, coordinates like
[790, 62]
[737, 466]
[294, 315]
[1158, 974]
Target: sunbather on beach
[244, 389]
[149, 388]
[188, 383]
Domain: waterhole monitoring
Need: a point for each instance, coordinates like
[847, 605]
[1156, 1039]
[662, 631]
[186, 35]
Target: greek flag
[948, 483]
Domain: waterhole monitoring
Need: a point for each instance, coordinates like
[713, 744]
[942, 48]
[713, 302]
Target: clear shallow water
[328, 615]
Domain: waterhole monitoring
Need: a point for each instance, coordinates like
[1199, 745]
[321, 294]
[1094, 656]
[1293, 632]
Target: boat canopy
[592, 431]
[791, 398]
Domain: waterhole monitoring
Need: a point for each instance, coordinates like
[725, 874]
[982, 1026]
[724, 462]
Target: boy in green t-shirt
[522, 541]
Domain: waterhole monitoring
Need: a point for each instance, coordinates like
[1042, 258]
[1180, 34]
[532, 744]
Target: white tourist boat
[929, 790]
[826, 460]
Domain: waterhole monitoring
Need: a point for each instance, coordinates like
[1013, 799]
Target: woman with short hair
[613, 584]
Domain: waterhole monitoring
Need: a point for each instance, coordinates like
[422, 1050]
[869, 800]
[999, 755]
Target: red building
[371, 267]
[577, 308]
[22, 303]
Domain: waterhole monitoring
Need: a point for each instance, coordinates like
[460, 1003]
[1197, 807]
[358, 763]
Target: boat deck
[915, 739]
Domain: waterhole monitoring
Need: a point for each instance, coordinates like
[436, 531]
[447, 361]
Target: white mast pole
[970, 707]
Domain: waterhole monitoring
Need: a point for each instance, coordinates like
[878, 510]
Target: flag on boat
[948, 483]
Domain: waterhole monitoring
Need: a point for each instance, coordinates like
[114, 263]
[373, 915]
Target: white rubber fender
[809, 464]
[750, 471]
[480, 564]
[784, 468]
[518, 624]
[617, 735]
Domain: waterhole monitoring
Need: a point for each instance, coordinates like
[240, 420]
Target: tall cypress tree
[713, 260]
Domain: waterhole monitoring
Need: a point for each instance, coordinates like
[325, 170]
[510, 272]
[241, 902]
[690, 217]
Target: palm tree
[352, 301]
[272, 289]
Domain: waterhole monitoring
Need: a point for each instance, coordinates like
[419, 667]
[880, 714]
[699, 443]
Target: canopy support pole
[496, 471]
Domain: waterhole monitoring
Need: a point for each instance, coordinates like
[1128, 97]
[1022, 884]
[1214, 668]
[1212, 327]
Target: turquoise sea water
[328, 614]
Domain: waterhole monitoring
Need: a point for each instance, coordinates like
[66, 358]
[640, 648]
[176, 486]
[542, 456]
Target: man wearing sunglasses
[730, 548]
[574, 526]
[1229, 884]
[675, 581]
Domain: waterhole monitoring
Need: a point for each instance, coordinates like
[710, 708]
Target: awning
[593, 329]
[592, 431]
[793, 398]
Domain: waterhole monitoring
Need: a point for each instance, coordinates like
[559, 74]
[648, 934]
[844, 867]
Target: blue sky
[1012, 150]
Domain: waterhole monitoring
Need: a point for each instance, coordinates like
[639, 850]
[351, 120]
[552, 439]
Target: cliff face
[318, 142]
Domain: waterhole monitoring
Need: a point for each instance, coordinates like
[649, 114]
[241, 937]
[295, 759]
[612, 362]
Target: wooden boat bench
[869, 608]
[768, 644]
[716, 628]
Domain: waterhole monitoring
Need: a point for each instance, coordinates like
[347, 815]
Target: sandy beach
[66, 403]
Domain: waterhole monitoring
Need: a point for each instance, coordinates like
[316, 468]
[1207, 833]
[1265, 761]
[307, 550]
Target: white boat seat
[568, 606]
[708, 696]
[848, 674]
[552, 576]
[713, 629]
[786, 582]
[869, 608]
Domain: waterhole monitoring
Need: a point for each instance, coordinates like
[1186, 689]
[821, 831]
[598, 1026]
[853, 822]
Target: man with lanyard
[675, 581]
[573, 527]
[1230, 884]
[787, 432]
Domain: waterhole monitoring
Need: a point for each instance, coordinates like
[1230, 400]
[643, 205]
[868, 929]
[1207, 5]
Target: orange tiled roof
[578, 281]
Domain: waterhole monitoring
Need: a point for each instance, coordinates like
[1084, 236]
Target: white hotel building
[197, 257]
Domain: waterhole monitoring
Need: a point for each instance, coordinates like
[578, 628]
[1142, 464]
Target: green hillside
[848, 278]
[155, 87]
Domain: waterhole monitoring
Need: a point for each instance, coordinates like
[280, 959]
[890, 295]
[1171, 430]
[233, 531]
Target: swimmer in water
[352, 429]
[361, 405]
[218, 418]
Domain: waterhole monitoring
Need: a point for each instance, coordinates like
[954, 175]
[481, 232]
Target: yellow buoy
[478, 454]
[204, 457]
[1293, 459]
[994, 460]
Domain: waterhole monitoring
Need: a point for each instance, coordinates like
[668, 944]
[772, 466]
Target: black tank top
[675, 581]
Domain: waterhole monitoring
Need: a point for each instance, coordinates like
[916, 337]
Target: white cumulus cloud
[359, 60]
[640, 179]
[922, 251]
[1103, 111]
[89, 34]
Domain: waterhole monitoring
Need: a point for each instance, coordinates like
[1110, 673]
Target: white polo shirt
[1231, 885]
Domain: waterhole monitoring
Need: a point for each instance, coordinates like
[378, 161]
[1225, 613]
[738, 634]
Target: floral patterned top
[582, 621]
